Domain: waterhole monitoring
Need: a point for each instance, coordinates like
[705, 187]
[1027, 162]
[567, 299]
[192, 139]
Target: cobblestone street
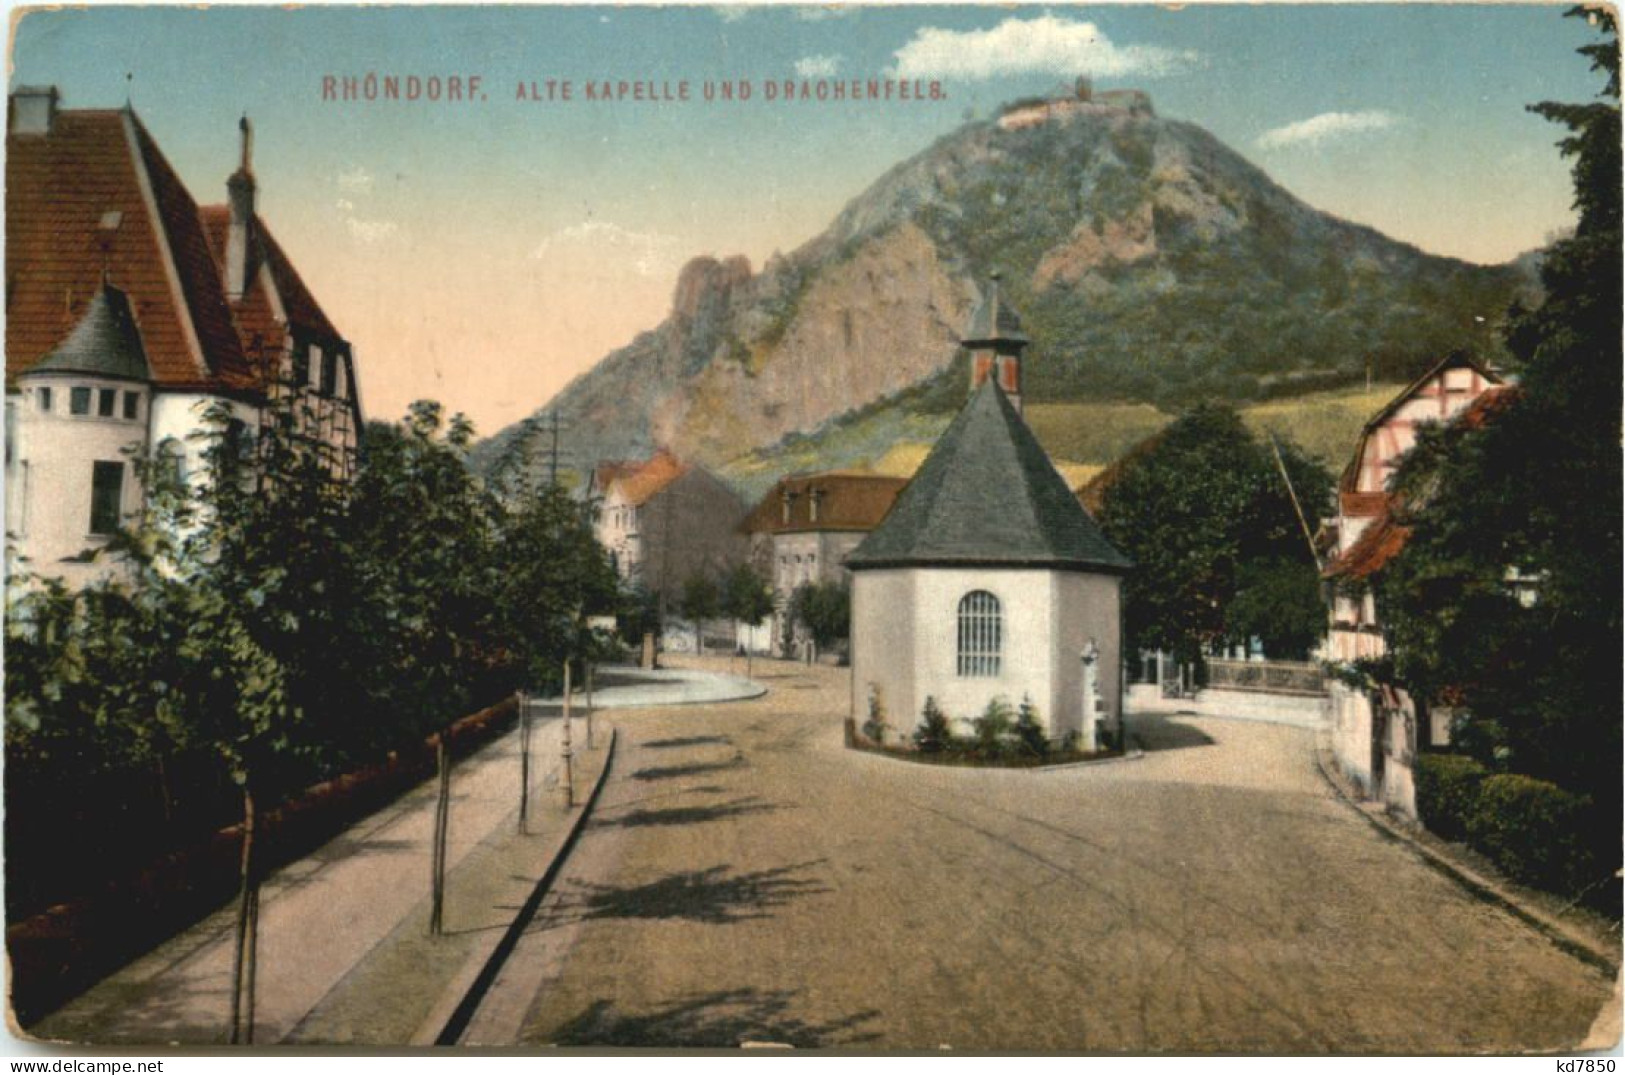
[747, 879]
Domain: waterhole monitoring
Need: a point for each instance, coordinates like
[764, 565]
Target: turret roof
[988, 495]
[105, 342]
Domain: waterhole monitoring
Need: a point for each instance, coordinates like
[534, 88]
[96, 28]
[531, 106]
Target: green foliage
[875, 727]
[1533, 492]
[824, 609]
[995, 730]
[934, 734]
[1447, 792]
[701, 598]
[747, 596]
[1205, 515]
[1029, 732]
[1278, 601]
[277, 623]
[1537, 833]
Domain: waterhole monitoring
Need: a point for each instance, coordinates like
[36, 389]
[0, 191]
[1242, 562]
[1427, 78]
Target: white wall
[55, 458]
[883, 646]
[1085, 607]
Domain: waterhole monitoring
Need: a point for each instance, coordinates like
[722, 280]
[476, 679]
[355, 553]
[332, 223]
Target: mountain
[1150, 262]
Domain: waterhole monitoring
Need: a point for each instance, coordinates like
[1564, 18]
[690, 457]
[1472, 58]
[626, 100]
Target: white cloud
[371, 231]
[817, 66]
[1326, 126]
[826, 11]
[1046, 44]
[357, 180]
[649, 252]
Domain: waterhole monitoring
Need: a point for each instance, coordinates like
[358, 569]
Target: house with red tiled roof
[803, 529]
[1376, 734]
[131, 310]
[664, 520]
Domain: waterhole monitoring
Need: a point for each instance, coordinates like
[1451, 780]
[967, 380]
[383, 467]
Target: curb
[1480, 887]
[451, 1016]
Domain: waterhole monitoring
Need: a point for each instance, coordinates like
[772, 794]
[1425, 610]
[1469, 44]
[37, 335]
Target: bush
[934, 734]
[1447, 792]
[995, 729]
[1029, 731]
[875, 727]
[1535, 832]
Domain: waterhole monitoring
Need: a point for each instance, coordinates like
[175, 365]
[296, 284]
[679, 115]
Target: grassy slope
[1080, 437]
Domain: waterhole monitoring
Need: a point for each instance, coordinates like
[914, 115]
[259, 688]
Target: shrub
[875, 727]
[1028, 730]
[934, 734]
[1534, 831]
[995, 729]
[1447, 792]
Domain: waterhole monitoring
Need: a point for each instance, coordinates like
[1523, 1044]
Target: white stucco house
[988, 578]
[131, 311]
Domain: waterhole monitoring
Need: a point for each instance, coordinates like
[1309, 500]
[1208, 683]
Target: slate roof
[95, 196]
[105, 342]
[988, 495]
[994, 319]
[851, 502]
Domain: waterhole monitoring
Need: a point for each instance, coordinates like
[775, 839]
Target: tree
[701, 600]
[824, 609]
[1203, 511]
[748, 598]
[1505, 599]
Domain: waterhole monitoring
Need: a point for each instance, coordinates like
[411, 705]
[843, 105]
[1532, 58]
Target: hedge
[1447, 792]
[1535, 832]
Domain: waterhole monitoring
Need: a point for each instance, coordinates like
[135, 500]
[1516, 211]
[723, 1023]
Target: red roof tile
[96, 194]
[1379, 543]
[848, 501]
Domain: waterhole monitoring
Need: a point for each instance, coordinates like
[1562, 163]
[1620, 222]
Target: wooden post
[242, 953]
[524, 758]
[589, 706]
[569, 771]
[437, 863]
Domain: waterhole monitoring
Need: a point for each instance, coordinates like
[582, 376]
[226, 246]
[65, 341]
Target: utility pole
[569, 769]
[1308, 535]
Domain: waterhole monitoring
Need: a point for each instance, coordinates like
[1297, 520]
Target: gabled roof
[847, 501]
[988, 495]
[95, 196]
[650, 477]
[105, 342]
[279, 289]
[1350, 478]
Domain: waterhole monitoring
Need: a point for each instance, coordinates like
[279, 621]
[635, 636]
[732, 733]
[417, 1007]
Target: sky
[484, 251]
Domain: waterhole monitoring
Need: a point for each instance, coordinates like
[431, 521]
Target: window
[330, 374]
[106, 494]
[106, 400]
[981, 634]
[301, 365]
[173, 454]
[79, 401]
[44, 399]
[132, 405]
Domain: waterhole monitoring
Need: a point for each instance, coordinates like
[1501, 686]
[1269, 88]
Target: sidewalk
[1584, 935]
[625, 686]
[332, 921]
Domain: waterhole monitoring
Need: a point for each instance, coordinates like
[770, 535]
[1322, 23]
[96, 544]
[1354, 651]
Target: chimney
[33, 109]
[240, 198]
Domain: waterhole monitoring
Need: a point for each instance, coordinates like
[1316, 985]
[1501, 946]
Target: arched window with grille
[981, 634]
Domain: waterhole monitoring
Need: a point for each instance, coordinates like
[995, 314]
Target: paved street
[746, 879]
